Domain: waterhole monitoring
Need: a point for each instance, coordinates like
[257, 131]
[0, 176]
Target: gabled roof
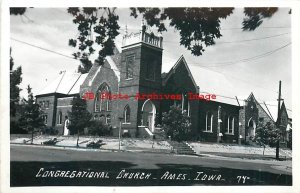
[76, 88]
[273, 109]
[66, 83]
[210, 82]
[173, 69]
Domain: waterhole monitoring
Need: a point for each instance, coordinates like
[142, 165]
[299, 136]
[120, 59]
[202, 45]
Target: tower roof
[148, 38]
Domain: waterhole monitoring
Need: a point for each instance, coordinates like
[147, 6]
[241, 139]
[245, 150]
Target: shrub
[176, 123]
[97, 127]
[49, 131]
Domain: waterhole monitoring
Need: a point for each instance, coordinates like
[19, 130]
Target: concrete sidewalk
[224, 151]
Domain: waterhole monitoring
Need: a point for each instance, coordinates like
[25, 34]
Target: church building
[136, 68]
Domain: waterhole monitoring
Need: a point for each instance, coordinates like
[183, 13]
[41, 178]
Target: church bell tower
[141, 63]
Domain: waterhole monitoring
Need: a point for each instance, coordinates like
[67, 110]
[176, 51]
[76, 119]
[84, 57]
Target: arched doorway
[148, 114]
[251, 128]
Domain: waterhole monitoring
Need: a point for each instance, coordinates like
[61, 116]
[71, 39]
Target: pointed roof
[66, 83]
[272, 108]
[210, 82]
[181, 60]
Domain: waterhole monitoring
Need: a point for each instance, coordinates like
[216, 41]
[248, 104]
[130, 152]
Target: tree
[270, 135]
[17, 10]
[15, 80]
[31, 115]
[79, 116]
[176, 123]
[198, 27]
[104, 28]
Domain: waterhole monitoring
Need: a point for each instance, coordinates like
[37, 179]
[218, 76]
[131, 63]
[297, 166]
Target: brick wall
[104, 76]
[48, 110]
[180, 82]
[226, 111]
[64, 106]
[263, 117]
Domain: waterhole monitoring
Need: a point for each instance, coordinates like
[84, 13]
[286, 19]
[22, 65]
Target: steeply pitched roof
[272, 106]
[210, 82]
[66, 83]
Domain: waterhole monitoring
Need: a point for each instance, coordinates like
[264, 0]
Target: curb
[86, 149]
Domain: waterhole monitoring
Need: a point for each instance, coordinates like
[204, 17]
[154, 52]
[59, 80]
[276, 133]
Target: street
[32, 166]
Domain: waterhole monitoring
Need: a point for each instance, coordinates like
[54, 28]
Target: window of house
[226, 119]
[59, 118]
[129, 67]
[108, 120]
[209, 122]
[45, 118]
[127, 114]
[97, 104]
[46, 104]
[108, 105]
[102, 118]
[150, 70]
[185, 103]
[102, 101]
[230, 125]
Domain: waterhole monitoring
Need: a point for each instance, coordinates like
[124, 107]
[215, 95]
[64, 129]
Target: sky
[51, 29]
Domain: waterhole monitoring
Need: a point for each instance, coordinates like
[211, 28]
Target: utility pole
[279, 100]
[278, 120]
[120, 129]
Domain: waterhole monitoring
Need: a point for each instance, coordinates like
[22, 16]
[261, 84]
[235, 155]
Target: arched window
[185, 103]
[127, 114]
[209, 122]
[102, 99]
[129, 67]
[59, 121]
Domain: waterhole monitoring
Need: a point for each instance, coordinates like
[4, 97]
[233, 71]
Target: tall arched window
[102, 100]
[185, 103]
[226, 125]
[209, 122]
[127, 114]
[230, 125]
[129, 67]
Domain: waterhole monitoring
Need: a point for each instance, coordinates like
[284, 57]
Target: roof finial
[126, 31]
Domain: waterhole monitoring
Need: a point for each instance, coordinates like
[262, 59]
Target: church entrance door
[251, 128]
[149, 112]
